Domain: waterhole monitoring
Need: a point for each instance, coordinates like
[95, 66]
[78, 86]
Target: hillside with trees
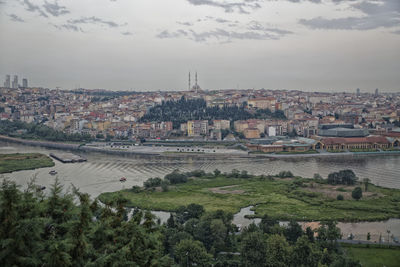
[196, 109]
[36, 131]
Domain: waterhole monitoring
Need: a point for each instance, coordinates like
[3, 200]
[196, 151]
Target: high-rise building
[358, 91]
[15, 82]
[7, 83]
[25, 83]
[376, 92]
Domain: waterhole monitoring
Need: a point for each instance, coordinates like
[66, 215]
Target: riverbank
[26, 161]
[176, 152]
[283, 199]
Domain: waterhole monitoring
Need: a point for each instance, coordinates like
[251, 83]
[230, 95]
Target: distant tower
[15, 82]
[358, 91]
[376, 92]
[7, 83]
[196, 80]
[189, 81]
[25, 83]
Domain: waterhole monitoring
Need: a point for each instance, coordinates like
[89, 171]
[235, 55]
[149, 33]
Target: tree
[217, 172]
[317, 176]
[278, 251]
[293, 231]
[366, 183]
[356, 193]
[339, 197]
[305, 253]
[267, 223]
[192, 253]
[253, 250]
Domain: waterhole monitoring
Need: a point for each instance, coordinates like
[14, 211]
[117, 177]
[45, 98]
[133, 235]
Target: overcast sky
[312, 45]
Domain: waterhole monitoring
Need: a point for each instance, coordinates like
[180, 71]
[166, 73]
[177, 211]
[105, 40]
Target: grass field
[25, 161]
[284, 199]
[374, 257]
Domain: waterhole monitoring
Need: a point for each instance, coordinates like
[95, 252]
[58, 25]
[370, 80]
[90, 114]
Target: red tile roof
[355, 140]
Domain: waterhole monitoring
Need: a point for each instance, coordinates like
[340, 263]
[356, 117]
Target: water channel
[101, 173]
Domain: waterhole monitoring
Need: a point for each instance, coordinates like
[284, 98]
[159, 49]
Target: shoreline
[84, 148]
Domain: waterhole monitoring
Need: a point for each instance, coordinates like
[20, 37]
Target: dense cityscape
[266, 120]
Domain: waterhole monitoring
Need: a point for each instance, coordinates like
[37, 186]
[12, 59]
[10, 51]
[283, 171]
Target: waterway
[101, 173]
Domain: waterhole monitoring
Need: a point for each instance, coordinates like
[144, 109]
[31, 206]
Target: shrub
[285, 174]
[176, 177]
[152, 182]
[164, 186]
[136, 189]
[357, 193]
[339, 197]
[196, 173]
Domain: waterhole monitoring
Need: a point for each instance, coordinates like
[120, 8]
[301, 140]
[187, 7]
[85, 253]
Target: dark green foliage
[285, 174]
[356, 193]
[254, 249]
[39, 131]
[339, 197]
[196, 173]
[196, 109]
[136, 189]
[68, 229]
[176, 177]
[278, 251]
[346, 177]
[192, 253]
[217, 172]
[152, 182]
[293, 232]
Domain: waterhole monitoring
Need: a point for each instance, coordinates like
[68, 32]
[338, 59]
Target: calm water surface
[101, 173]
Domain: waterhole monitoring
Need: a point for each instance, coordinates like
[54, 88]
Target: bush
[176, 177]
[136, 189]
[152, 182]
[164, 186]
[285, 174]
[339, 197]
[357, 193]
[346, 177]
[196, 173]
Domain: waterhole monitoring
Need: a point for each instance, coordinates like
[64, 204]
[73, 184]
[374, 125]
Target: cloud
[33, 8]
[382, 14]
[126, 33]
[55, 9]
[242, 6]
[69, 27]
[186, 23]
[95, 20]
[14, 17]
[167, 34]
[221, 35]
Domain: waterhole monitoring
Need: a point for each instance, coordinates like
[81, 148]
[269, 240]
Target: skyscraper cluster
[14, 84]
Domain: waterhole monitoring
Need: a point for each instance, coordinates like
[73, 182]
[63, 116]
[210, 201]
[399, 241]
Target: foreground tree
[192, 253]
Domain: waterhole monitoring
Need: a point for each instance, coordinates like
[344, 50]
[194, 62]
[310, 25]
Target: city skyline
[305, 45]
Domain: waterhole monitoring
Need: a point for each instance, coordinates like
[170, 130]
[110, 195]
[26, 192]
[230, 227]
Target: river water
[101, 173]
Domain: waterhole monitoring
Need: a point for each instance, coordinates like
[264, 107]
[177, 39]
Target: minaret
[189, 80]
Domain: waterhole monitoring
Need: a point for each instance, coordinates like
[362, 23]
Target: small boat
[122, 179]
[52, 172]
